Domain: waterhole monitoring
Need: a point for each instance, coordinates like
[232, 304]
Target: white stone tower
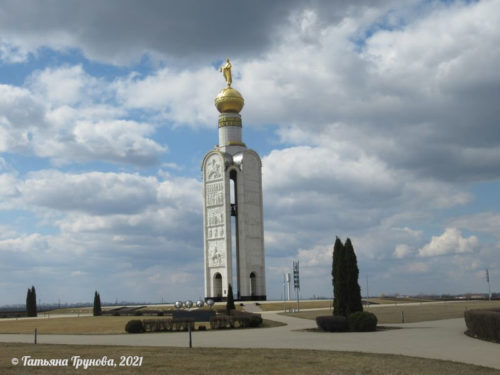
[232, 207]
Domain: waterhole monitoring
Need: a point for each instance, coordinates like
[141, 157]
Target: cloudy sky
[375, 120]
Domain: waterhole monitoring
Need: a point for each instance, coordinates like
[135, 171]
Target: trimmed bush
[331, 323]
[362, 321]
[182, 324]
[255, 321]
[202, 328]
[157, 325]
[247, 319]
[483, 323]
[116, 313]
[138, 313]
[238, 319]
[134, 326]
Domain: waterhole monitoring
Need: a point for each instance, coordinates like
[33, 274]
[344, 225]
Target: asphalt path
[441, 339]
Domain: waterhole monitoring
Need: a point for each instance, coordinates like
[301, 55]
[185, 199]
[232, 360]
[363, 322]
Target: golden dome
[229, 100]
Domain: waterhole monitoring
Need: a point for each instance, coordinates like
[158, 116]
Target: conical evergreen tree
[31, 309]
[230, 300]
[28, 303]
[33, 303]
[353, 295]
[97, 304]
[339, 279]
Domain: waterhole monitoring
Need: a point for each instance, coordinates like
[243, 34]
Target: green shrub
[362, 321]
[332, 323]
[483, 323]
[202, 328]
[115, 313]
[134, 326]
[160, 313]
[255, 320]
[138, 313]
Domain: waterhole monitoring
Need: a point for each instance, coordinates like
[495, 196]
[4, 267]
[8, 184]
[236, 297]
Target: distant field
[327, 303]
[165, 307]
[163, 360]
[412, 313]
[280, 306]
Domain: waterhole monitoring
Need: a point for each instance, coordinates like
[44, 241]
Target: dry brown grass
[71, 310]
[69, 325]
[279, 306]
[163, 360]
[413, 313]
[327, 303]
[85, 325]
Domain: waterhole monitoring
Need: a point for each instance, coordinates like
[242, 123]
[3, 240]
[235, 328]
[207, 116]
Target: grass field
[84, 325]
[230, 361]
[327, 303]
[412, 313]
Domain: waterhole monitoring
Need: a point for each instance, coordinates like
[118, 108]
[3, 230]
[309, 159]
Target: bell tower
[233, 230]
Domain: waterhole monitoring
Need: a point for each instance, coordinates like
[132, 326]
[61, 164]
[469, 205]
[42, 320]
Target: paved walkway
[443, 339]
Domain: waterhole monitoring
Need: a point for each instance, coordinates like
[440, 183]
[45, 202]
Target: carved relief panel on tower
[215, 222]
[216, 253]
[214, 168]
[214, 194]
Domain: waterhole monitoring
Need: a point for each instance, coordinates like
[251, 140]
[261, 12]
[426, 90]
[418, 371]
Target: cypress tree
[339, 279]
[230, 300]
[31, 302]
[28, 303]
[353, 297]
[97, 304]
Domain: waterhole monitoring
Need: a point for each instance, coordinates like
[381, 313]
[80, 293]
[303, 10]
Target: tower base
[243, 298]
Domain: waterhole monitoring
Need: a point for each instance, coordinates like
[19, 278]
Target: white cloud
[93, 192]
[117, 141]
[64, 85]
[318, 256]
[184, 97]
[10, 53]
[484, 222]
[402, 251]
[63, 116]
[450, 242]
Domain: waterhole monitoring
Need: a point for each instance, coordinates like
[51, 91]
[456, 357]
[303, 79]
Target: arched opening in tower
[233, 183]
[253, 284]
[218, 285]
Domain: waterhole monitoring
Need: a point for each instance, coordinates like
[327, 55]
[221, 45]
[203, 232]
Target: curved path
[442, 339]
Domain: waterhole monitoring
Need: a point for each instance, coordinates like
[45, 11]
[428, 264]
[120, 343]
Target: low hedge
[239, 320]
[134, 326]
[483, 323]
[362, 321]
[332, 323]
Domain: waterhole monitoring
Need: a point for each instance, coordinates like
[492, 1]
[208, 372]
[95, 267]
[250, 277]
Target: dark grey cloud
[123, 30]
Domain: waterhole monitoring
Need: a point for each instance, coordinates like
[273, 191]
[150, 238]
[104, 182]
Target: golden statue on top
[226, 71]
[228, 100]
